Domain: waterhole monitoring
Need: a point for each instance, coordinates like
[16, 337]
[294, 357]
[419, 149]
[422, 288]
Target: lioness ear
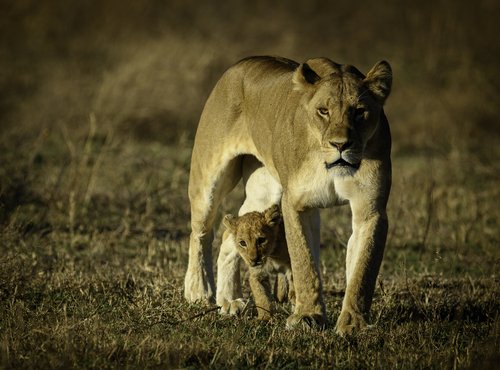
[273, 215]
[229, 222]
[304, 76]
[379, 81]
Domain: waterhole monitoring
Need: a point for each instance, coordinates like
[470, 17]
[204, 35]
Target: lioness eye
[261, 241]
[359, 114]
[323, 111]
[243, 244]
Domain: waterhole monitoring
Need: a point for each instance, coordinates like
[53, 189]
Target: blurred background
[146, 67]
[99, 102]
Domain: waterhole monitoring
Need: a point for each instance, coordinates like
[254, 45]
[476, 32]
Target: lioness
[260, 240]
[320, 132]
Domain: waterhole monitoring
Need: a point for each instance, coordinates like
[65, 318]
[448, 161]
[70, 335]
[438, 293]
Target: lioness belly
[261, 189]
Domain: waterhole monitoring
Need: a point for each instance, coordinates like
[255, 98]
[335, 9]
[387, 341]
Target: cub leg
[281, 288]
[261, 290]
[291, 287]
[207, 187]
[284, 291]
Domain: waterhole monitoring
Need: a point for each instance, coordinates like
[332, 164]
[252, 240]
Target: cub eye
[261, 241]
[323, 111]
[243, 244]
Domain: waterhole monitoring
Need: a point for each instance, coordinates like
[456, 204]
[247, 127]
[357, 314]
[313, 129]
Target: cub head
[341, 108]
[255, 234]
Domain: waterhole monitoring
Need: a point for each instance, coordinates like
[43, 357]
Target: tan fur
[260, 240]
[298, 120]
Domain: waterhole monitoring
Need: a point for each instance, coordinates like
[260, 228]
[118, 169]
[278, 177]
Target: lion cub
[260, 239]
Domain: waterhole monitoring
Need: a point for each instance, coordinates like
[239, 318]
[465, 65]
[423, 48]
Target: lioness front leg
[309, 306]
[364, 256]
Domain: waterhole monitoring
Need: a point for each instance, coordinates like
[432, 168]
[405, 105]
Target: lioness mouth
[341, 163]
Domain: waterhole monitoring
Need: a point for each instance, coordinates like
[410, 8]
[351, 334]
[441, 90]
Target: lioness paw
[350, 323]
[307, 322]
[197, 289]
[197, 296]
[234, 308]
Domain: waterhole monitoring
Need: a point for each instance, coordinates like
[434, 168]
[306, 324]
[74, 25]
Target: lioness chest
[313, 186]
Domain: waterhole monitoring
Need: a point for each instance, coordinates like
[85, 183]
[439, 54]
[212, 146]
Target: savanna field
[99, 102]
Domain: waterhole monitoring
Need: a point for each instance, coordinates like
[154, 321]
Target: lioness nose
[341, 145]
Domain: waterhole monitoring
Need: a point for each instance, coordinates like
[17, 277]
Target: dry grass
[98, 111]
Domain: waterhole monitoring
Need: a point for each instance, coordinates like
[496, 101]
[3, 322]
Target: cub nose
[341, 145]
[256, 262]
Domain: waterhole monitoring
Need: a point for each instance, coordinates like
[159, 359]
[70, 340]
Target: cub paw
[234, 308]
[307, 322]
[350, 323]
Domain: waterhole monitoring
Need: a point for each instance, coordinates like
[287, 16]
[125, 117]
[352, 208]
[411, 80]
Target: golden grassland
[99, 103]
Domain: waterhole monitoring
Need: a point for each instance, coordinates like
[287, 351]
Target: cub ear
[229, 222]
[304, 76]
[379, 81]
[273, 215]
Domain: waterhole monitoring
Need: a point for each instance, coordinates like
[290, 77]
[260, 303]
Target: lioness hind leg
[199, 282]
[228, 275]
[207, 188]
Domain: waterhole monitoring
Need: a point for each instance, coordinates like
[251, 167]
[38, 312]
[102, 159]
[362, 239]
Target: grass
[95, 144]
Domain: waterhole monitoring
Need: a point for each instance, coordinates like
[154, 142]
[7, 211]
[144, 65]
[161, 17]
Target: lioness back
[241, 88]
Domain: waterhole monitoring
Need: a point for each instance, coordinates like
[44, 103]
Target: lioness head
[255, 234]
[342, 108]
